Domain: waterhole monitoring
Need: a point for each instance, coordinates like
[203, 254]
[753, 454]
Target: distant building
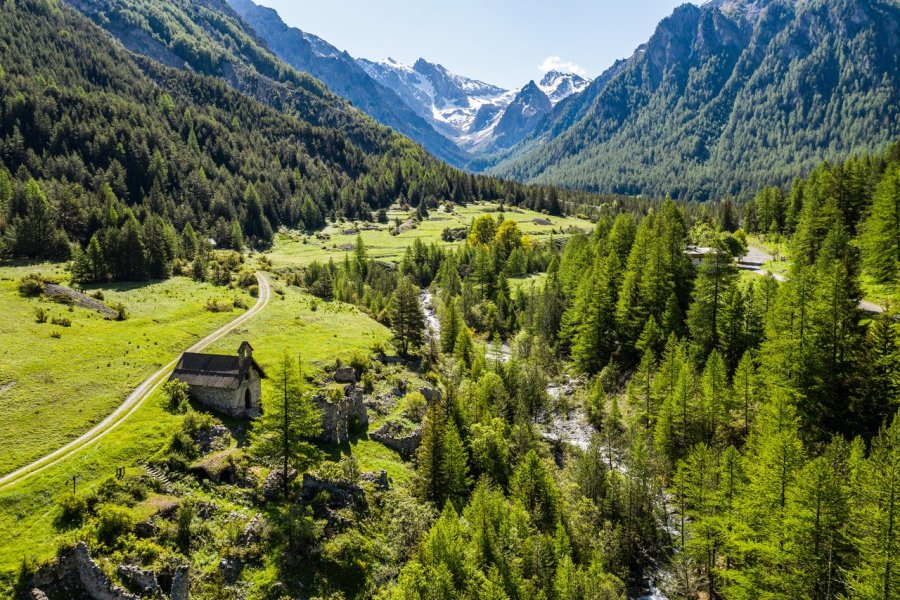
[227, 384]
[697, 253]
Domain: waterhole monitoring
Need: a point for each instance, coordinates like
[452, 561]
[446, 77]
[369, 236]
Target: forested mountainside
[728, 97]
[119, 142]
[341, 73]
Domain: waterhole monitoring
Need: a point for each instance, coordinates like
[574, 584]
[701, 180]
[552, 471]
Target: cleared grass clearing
[290, 250]
[288, 324]
[331, 331]
[57, 388]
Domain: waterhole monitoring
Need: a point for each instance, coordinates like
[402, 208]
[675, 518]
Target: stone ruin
[396, 437]
[342, 416]
[76, 575]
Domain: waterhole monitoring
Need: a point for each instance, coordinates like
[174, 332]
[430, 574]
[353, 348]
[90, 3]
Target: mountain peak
[558, 85]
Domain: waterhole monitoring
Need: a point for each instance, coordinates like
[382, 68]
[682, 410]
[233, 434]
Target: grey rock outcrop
[139, 581]
[342, 493]
[345, 375]
[76, 575]
[180, 583]
[393, 435]
[380, 479]
[274, 482]
[430, 394]
[341, 416]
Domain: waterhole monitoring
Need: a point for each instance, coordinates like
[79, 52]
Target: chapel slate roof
[213, 370]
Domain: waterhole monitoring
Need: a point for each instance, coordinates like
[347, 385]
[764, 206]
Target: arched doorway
[248, 401]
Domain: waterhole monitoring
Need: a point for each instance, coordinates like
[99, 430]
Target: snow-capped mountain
[559, 86]
[452, 103]
[477, 116]
[345, 77]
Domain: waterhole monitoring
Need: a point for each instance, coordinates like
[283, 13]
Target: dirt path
[756, 257]
[754, 260]
[135, 399]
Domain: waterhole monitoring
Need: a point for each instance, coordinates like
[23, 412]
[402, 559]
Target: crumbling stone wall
[75, 575]
[341, 416]
[392, 435]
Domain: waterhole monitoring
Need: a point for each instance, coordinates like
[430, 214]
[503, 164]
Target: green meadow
[56, 388]
[293, 322]
[297, 248]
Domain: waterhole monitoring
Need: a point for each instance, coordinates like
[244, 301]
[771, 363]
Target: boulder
[343, 494]
[274, 482]
[253, 532]
[430, 394]
[380, 479]
[230, 568]
[215, 437]
[139, 581]
[345, 375]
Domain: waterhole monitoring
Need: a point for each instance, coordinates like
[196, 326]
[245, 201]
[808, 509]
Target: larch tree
[407, 318]
[289, 421]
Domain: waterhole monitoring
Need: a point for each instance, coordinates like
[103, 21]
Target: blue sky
[504, 42]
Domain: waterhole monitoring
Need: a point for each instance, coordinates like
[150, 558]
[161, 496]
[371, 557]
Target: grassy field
[295, 248]
[320, 335]
[293, 322]
[54, 389]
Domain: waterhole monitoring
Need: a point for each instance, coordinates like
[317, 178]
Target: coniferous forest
[666, 400]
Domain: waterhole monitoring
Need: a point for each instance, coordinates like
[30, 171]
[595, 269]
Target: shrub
[213, 305]
[55, 335]
[72, 510]
[121, 312]
[31, 285]
[246, 278]
[184, 520]
[240, 303]
[182, 446]
[360, 363]
[414, 406]
[195, 421]
[368, 382]
[113, 523]
[61, 321]
[40, 315]
[177, 393]
[97, 295]
[253, 290]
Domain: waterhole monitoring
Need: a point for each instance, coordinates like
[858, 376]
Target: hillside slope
[728, 97]
[341, 73]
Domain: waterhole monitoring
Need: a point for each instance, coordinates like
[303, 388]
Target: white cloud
[556, 63]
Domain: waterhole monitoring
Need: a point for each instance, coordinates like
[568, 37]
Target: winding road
[756, 257]
[135, 399]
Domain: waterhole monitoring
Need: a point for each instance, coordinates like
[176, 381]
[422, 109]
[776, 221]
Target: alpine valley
[278, 322]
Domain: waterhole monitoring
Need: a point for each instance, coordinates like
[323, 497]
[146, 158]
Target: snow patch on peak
[558, 86]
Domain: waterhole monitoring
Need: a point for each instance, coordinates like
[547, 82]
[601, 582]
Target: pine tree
[881, 230]
[533, 486]
[744, 391]
[818, 547]
[289, 421]
[717, 277]
[407, 319]
[716, 402]
[876, 520]
[454, 465]
[450, 326]
[595, 340]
